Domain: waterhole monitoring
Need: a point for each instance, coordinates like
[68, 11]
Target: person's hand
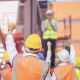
[47, 24]
[49, 44]
[11, 26]
[46, 27]
[52, 25]
[70, 42]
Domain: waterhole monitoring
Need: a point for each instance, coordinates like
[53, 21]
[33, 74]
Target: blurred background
[28, 21]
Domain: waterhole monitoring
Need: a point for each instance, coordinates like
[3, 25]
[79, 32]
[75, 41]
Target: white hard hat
[64, 55]
[49, 11]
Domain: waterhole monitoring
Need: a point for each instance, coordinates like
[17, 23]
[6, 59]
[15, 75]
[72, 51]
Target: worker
[66, 68]
[26, 66]
[6, 73]
[78, 67]
[49, 28]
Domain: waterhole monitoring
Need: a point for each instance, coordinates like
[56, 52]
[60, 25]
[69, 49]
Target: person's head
[6, 59]
[49, 14]
[33, 44]
[64, 56]
[78, 62]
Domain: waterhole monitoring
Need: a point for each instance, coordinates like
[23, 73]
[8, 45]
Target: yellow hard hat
[33, 41]
[78, 61]
[5, 56]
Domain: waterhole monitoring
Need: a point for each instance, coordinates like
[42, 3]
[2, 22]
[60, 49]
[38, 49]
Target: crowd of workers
[33, 66]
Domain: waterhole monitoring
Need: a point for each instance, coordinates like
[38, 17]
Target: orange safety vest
[65, 72]
[29, 68]
[6, 74]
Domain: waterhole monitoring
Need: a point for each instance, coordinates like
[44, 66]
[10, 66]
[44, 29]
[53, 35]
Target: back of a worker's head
[33, 43]
[64, 56]
[78, 62]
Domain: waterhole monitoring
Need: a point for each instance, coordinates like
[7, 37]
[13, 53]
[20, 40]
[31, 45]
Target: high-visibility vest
[6, 74]
[78, 73]
[50, 33]
[65, 72]
[29, 68]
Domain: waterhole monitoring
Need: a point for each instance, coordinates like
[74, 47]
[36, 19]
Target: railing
[5, 21]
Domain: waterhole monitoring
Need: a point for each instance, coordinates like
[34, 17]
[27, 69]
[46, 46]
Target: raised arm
[48, 58]
[10, 45]
[72, 52]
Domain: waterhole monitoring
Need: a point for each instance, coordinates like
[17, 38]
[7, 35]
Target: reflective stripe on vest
[43, 74]
[60, 76]
[14, 68]
[57, 74]
[3, 75]
[50, 33]
[43, 70]
[74, 70]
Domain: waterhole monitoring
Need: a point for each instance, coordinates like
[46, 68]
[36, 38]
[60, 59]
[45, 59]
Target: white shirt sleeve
[54, 77]
[43, 26]
[11, 49]
[48, 77]
[72, 54]
[48, 58]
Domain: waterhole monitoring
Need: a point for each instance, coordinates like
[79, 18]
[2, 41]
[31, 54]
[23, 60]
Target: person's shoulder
[55, 20]
[44, 20]
[7, 70]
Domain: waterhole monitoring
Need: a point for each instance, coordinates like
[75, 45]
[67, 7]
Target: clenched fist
[69, 42]
[11, 26]
[49, 43]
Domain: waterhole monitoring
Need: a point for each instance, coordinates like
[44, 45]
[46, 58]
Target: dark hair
[67, 48]
[32, 49]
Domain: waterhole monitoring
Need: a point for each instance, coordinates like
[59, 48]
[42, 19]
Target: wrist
[9, 32]
[10, 29]
[51, 25]
[49, 48]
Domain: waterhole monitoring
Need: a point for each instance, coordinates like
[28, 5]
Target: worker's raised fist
[49, 43]
[70, 42]
[11, 26]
